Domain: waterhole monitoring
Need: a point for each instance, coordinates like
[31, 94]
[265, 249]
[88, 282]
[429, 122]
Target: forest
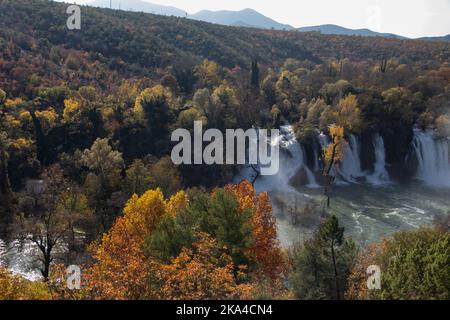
[86, 176]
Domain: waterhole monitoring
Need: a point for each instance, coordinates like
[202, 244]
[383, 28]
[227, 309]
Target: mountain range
[139, 6]
[244, 18]
[338, 30]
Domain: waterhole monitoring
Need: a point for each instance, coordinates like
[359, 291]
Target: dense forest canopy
[129, 44]
[88, 114]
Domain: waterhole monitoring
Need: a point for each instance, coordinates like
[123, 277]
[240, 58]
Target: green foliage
[138, 178]
[443, 126]
[414, 265]
[187, 117]
[166, 176]
[69, 92]
[255, 75]
[104, 162]
[218, 215]
[2, 97]
[322, 264]
[103, 180]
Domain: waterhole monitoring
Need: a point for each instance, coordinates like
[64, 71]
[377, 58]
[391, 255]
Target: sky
[410, 18]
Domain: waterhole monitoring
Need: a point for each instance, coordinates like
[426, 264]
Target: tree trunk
[327, 175]
[6, 194]
[336, 277]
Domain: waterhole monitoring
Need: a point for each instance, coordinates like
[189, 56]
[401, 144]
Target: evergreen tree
[255, 74]
[322, 264]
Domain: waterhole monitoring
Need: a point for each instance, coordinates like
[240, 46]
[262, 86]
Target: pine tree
[255, 74]
[322, 264]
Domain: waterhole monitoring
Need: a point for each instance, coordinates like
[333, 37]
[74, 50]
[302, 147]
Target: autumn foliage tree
[265, 250]
[332, 155]
[120, 270]
[203, 272]
[15, 287]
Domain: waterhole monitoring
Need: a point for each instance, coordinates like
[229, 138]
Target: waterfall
[298, 160]
[290, 163]
[348, 170]
[433, 158]
[350, 166]
[324, 142]
[316, 158]
[380, 175]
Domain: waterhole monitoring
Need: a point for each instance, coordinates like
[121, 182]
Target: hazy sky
[411, 18]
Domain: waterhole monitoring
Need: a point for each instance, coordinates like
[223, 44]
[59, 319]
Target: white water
[324, 141]
[380, 175]
[350, 167]
[433, 156]
[368, 213]
[20, 258]
[292, 159]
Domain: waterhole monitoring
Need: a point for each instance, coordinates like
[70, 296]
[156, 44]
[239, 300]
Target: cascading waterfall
[433, 157]
[380, 175]
[349, 170]
[298, 156]
[350, 167]
[323, 144]
[289, 165]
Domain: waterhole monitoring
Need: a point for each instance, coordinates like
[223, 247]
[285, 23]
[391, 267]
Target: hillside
[127, 43]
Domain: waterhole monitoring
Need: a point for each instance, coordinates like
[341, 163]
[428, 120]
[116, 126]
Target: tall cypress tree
[255, 74]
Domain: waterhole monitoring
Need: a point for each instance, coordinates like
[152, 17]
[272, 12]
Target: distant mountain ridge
[444, 38]
[139, 6]
[245, 18]
[338, 30]
[248, 18]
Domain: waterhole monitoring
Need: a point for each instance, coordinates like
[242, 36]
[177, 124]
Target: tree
[225, 104]
[120, 270]
[6, 194]
[237, 218]
[2, 97]
[288, 87]
[204, 272]
[255, 74]
[166, 176]
[443, 126]
[41, 139]
[265, 251]
[14, 287]
[51, 224]
[208, 74]
[349, 114]
[220, 215]
[333, 92]
[414, 266]
[184, 71]
[138, 178]
[322, 264]
[333, 154]
[187, 117]
[153, 109]
[105, 166]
